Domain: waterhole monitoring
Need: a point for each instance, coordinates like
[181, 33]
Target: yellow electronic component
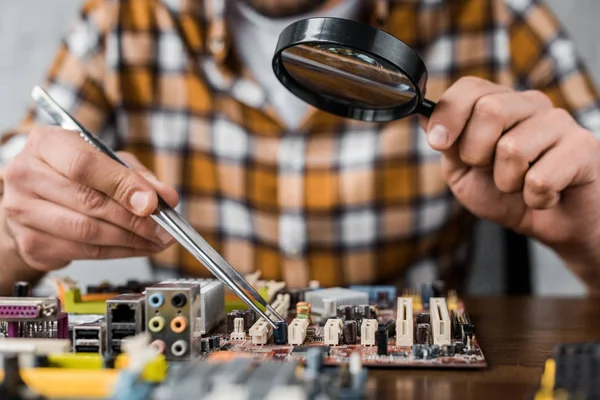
[452, 300]
[233, 302]
[74, 304]
[69, 383]
[77, 361]
[155, 371]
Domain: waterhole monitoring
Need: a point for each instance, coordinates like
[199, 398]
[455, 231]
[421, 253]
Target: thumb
[166, 191]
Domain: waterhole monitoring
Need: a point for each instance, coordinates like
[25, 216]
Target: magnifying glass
[352, 70]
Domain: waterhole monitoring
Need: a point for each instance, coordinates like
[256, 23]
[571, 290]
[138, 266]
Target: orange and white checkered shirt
[335, 200]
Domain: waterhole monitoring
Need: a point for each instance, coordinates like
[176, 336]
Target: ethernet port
[122, 313]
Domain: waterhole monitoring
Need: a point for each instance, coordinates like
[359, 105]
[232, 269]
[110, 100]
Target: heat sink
[337, 295]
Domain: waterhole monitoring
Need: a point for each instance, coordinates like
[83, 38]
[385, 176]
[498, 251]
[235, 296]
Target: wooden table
[516, 334]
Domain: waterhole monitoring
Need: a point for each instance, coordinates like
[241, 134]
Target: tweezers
[167, 217]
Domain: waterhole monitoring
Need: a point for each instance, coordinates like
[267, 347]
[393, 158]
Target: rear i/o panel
[172, 318]
[125, 317]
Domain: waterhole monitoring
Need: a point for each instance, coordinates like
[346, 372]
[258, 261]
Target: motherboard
[164, 339]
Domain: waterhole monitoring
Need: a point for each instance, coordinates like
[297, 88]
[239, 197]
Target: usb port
[116, 348]
[122, 333]
[87, 334]
[87, 349]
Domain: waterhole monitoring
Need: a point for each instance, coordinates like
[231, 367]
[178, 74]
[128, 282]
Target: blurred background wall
[29, 34]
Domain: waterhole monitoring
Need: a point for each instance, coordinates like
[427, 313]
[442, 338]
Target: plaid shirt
[337, 201]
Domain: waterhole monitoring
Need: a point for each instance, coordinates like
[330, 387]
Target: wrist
[584, 261]
[12, 267]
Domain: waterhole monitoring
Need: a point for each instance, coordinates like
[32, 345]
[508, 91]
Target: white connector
[238, 329]
[281, 305]
[297, 331]
[40, 347]
[260, 332]
[333, 331]
[404, 322]
[440, 321]
[367, 332]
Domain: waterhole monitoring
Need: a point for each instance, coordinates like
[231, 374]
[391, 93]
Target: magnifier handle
[426, 108]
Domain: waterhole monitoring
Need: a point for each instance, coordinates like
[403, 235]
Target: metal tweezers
[167, 217]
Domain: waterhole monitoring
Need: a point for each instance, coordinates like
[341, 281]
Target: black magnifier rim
[362, 38]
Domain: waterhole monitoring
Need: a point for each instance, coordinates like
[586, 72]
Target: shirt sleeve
[544, 58]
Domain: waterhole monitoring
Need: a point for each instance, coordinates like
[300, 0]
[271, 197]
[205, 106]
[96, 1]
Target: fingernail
[437, 136]
[163, 235]
[139, 201]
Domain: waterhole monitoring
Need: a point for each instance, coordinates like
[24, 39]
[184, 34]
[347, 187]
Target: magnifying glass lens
[348, 76]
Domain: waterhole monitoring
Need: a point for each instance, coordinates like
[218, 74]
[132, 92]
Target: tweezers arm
[178, 227]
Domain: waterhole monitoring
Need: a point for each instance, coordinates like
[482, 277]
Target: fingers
[45, 253]
[492, 115]
[62, 222]
[166, 191]
[454, 110]
[33, 177]
[517, 150]
[66, 153]
[544, 182]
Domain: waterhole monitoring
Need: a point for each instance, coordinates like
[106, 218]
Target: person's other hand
[513, 158]
[64, 200]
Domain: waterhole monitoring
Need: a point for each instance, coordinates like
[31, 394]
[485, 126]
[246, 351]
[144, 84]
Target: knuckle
[539, 97]
[136, 223]
[91, 198]
[29, 243]
[538, 184]
[489, 107]
[85, 228]
[77, 165]
[12, 209]
[16, 170]
[509, 148]
[92, 252]
[123, 186]
[559, 115]
[472, 80]
[474, 159]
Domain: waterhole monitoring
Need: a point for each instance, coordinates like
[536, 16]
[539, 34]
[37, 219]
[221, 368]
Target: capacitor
[459, 347]
[359, 313]
[214, 342]
[340, 312]
[367, 312]
[349, 313]
[456, 328]
[448, 350]
[423, 334]
[249, 318]
[303, 310]
[381, 339]
[350, 332]
[21, 289]
[435, 351]
[204, 345]
[389, 326]
[423, 318]
[231, 316]
[280, 333]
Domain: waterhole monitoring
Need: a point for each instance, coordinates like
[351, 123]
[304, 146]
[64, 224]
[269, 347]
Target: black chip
[304, 349]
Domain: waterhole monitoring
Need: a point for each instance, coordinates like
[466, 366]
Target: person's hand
[513, 158]
[64, 200]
